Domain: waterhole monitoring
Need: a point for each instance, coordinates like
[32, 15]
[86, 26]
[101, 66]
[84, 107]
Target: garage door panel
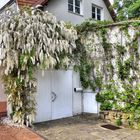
[62, 86]
[49, 106]
[43, 97]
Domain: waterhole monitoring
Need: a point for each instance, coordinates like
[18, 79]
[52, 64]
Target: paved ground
[14, 133]
[83, 128]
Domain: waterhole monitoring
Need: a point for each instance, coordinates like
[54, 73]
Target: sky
[2, 2]
[111, 1]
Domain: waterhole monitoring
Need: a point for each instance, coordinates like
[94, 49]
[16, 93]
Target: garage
[57, 99]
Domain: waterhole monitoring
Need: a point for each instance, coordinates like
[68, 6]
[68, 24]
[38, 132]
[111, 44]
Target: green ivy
[121, 50]
[124, 68]
[110, 95]
[118, 122]
[106, 106]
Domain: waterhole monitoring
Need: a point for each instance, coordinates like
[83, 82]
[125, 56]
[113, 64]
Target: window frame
[96, 12]
[75, 6]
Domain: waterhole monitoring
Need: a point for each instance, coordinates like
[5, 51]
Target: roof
[111, 10]
[31, 2]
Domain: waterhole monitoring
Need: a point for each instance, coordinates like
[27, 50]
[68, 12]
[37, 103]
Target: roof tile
[31, 2]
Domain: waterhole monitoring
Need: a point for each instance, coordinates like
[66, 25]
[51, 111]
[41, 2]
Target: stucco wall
[77, 96]
[60, 9]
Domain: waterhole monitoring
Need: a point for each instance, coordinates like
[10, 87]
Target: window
[70, 5]
[96, 13]
[74, 6]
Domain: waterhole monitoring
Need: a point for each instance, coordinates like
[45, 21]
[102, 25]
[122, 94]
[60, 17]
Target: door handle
[54, 96]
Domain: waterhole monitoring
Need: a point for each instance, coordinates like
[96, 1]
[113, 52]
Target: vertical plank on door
[43, 97]
[62, 87]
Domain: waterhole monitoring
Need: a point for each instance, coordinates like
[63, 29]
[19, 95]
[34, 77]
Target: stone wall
[113, 116]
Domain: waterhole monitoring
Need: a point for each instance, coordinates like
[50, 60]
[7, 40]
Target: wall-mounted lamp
[78, 89]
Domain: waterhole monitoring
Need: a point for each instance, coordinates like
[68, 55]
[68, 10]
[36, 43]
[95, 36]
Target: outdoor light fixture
[78, 89]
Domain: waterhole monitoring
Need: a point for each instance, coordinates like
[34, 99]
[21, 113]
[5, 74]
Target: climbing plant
[126, 9]
[31, 40]
[110, 51]
[108, 61]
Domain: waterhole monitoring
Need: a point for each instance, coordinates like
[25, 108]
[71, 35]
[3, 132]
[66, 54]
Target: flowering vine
[30, 40]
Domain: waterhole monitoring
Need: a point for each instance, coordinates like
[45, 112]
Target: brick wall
[3, 109]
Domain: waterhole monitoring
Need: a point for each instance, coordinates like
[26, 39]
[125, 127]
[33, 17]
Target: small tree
[127, 9]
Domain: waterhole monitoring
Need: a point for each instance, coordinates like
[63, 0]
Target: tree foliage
[127, 9]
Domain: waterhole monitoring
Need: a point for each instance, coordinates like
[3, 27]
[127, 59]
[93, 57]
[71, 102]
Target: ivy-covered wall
[109, 63]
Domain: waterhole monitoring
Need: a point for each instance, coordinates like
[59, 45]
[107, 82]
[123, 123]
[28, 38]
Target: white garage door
[43, 98]
[54, 95]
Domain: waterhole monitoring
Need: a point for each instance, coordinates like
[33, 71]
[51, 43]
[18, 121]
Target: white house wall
[88, 8]
[83, 101]
[77, 96]
[90, 104]
[60, 9]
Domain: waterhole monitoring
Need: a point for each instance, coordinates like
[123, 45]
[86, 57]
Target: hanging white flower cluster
[36, 30]
[30, 40]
